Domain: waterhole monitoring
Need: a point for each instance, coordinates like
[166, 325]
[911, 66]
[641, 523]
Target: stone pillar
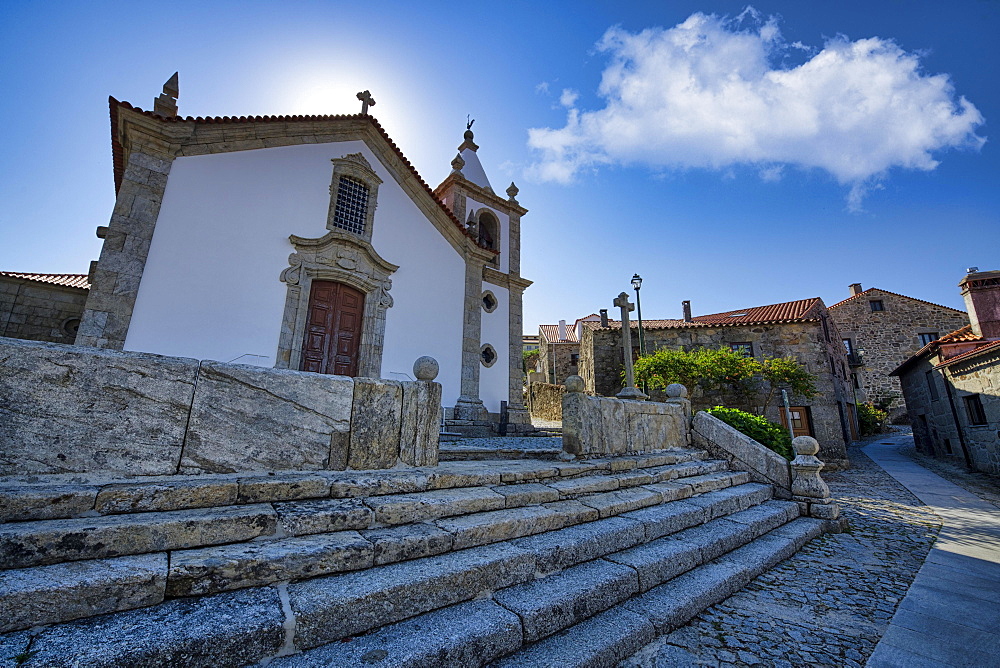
[808, 488]
[678, 394]
[517, 414]
[469, 406]
[630, 391]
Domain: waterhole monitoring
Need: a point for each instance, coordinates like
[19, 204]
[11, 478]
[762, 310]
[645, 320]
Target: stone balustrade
[74, 409]
[602, 426]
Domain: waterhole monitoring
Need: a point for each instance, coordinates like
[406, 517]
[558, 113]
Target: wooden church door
[333, 329]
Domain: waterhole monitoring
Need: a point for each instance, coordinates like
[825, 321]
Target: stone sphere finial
[805, 445]
[426, 368]
[575, 384]
[677, 391]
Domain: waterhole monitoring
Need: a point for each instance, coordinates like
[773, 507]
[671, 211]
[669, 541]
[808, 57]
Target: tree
[528, 360]
[751, 382]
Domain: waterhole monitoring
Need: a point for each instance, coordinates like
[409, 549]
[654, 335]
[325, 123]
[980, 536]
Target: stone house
[880, 330]
[559, 349]
[309, 243]
[42, 307]
[800, 329]
[952, 384]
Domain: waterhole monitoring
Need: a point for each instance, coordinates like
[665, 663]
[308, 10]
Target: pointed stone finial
[468, 143]
[366, 101]
[457, 164]
[166, 103]
[512, 192]
[473, 225]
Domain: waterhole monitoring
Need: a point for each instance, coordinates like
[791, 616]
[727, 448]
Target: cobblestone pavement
[830, 603]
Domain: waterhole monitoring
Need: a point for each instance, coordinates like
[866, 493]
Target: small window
[574, 359]
[931, 385]
[928, 337]
[487, 355]
[745, 349]
[876, 305]
[849, 347]
[974, 407]
[490, 302]
[352, 205]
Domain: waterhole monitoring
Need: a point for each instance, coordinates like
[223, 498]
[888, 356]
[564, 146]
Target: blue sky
[731, 157]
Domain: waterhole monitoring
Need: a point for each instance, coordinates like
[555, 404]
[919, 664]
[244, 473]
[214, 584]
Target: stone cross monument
[366, 101]
[630, 391]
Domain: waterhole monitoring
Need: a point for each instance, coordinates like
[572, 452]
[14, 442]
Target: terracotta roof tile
[802, 310]
[119, 160]
[986, 346]
[895, 294]
[65, 280]
[551, 333]
[960, 335]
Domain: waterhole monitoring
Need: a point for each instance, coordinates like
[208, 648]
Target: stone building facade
[952, 385]
[800, 329]
[559, 349]
[42, 307]
[881, 329]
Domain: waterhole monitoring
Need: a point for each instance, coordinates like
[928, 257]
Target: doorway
[333, 329]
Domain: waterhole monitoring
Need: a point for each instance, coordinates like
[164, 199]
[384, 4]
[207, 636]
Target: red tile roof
[551, 333]
[984, 347]
[802, 310]
[65, 280]
[895, 294]
[118, 152]
[960, 335]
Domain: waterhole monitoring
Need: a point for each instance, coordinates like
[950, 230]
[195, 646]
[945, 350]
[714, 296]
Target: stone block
[59, 593]
[573, 512]
[763, 465]
[467, 634]
[499, 525]
[411, 541]
[461, 474]
[715, 538]
[582, 434]
[375, 424]
[249, 418]
[659, 561]
[671, 491]
[585, 485]
[624, 500]
[331, 608]
[668, 518]
[558, 601]
[376, 483]
[406, 508]
[173, 495]
[26, 544]
[70, 409]
[671, 605]
[420, 416]
[299, 518]
[282, 488]
[732, 499]
[573, 545]
[26, 502]
[525, 494]
[226, 630]
[213, 569]
[614, 427]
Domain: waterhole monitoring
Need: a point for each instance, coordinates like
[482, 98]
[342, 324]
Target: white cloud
[708, 93]
[568, 98]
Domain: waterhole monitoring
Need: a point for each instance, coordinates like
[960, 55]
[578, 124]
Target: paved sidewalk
[951, 613]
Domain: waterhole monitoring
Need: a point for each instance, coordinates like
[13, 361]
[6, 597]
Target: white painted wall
[495, 331]
[210, 289]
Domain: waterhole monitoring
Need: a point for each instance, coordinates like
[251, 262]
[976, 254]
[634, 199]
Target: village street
[915, 581]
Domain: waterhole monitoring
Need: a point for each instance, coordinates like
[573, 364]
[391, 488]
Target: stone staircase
[512, 561]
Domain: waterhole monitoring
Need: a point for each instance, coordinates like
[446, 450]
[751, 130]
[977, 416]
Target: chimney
[981, 291]
[686, 304]
[562, 330]
[855, 289]
[604, 317]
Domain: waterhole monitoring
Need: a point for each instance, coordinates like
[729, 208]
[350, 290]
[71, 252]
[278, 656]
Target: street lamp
[637, 283]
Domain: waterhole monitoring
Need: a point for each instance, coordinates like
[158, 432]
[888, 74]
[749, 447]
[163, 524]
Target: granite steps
[66, 568]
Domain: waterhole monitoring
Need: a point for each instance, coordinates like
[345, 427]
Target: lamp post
[637, 283]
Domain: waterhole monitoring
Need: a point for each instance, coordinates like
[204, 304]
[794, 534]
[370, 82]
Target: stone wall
[545, 400]
[934, 415]
[562, 354]
[819, 349]
[601, 426]
[889, 337]
[39, 311]
[722, 441]
[73, 409]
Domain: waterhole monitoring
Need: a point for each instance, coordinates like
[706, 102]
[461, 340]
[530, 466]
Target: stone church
[309, 243]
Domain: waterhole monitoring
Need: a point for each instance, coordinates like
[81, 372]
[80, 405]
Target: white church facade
[309, 243]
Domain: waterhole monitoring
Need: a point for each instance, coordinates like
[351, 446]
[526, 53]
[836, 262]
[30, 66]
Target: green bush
[871, 419]
[758, 428]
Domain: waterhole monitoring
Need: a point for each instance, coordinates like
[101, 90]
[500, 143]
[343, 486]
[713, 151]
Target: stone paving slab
[827, 605]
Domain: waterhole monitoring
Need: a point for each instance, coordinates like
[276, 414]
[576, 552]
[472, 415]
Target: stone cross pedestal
[630, 391]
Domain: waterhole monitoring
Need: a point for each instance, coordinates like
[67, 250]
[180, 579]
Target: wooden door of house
[801, 424]
[333, 329]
